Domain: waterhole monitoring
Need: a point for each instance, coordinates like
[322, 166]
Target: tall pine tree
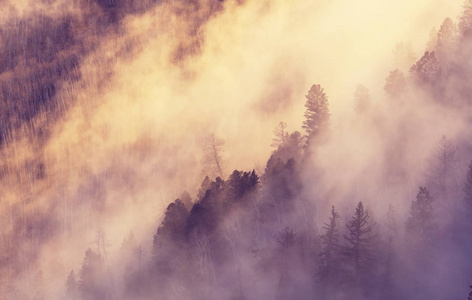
[420, 225]
[317, 113]
[360, 241]
[329, 260]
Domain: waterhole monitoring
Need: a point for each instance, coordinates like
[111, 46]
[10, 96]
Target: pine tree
[442, 175]
[468, 188]
[420, 225]
[172, 228]
[329, 255]
[317, 113]
[203, 188]
[72, 287]
[465, 23]
[360, 241]
[426, 70]
[447, 40]
[433, 40]
[395, 84]
[91, 284]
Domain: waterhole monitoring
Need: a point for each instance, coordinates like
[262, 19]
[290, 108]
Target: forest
[235, 149]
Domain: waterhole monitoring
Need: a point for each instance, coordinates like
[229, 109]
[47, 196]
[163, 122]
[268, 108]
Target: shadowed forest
[235, 149]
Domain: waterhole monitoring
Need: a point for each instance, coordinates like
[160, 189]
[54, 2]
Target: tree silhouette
[317, 116]
[329, 259]
[172, 228]
[447, 40]
[280, 135]
[395, 84]
[468, 188]
[465, 23]
[72, 287]
[212, 150]
[433, 40]
[92, 283]
[205, 186]
[442, 174]
[420, 225]
[427, 70]
[360, 241]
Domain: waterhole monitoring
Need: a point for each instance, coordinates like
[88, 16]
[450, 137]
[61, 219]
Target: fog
[111, 110]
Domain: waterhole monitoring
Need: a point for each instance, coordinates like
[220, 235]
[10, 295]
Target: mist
[228, 149]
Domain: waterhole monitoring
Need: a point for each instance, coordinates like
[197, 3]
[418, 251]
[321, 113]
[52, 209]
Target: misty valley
[235, 149]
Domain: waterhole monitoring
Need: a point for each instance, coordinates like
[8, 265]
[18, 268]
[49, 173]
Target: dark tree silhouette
[420, 225]
[317, 116]
[360, 241]
[287, 241]
[240, 184]
[329, 257]
[206, 213]
[172, 228]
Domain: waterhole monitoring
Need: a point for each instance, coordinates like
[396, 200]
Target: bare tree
[200, 243]
[212, 160]
[280, 135]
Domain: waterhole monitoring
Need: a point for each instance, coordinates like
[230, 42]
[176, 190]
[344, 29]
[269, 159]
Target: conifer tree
[317, 113]
[204, 188]
[72, 287]
[329, 255]
[420, 225]
[92, 274]
[465, 23]
[360, 240]
[468, 188]
[426, 70]
[395, 84]
[446, 45]
[442, 175]
[172, 228]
